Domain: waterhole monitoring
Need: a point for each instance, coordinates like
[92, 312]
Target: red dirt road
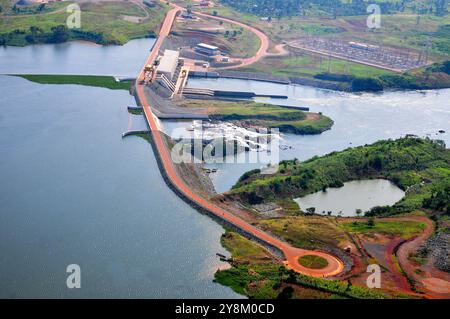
[335, 266]
[436, 283]
[263, 47]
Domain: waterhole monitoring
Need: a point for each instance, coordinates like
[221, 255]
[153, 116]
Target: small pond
[363, 194]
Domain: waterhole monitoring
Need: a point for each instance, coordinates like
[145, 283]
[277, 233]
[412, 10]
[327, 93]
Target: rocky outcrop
[438, 248]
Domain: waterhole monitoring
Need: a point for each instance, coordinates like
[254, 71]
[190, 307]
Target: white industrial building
[207, 49]
[168, 63]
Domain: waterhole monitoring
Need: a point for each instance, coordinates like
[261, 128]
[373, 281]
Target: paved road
[335, 266]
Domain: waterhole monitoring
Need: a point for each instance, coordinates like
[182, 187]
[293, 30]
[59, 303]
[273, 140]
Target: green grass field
[87, 80]
[104, 20]
[306, 65]
[313, 262]
[287, 120]
[306, 231]
[405, 229]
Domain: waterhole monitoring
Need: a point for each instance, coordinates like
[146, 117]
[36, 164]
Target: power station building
[207, 49]
[168, 63]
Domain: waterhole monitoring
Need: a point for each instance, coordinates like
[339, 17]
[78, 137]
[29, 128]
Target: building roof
[168, 61]
[207, 46]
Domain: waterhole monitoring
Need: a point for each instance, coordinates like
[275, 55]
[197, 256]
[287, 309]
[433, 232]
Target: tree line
[289, 8]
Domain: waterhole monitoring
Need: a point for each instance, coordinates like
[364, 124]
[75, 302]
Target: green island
[421, 167]
[254, 114]
[105, 22]
[88, 80]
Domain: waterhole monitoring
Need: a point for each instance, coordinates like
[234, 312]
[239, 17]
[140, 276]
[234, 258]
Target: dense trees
[57, 34]
[421, 166]
[283, 8]
[439, 200]
[366, 84]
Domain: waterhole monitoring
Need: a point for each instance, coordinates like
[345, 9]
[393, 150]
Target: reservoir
[344, 201]
[73, 192]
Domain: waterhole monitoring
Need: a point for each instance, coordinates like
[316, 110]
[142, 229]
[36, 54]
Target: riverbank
[106, 23]
[108, 82]
[435, 76]
[254, 115]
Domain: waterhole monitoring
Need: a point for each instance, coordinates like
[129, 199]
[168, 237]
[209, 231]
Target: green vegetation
[88, 80]
[416, 165]
[257, 275]
[309, 66]
[405, 229]
[107, 22]
[7, 9]
[313, 232]
[288, 120]
[334, 8]
[233, 40]
[289, 8]
[409, 25]
[439, 200]
[313, 261]
[353, 76]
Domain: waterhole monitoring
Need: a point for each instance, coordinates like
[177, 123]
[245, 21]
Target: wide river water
[73, 192]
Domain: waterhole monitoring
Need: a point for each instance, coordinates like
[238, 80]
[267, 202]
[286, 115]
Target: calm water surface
[354, 195]
[73, 192]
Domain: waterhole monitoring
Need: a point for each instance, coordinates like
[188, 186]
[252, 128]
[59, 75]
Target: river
[73, 192]
[358, 119]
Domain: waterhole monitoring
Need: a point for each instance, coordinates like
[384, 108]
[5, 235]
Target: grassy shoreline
[421, 167]
[88, 80]
[253, 114]
[360, 78]
[106, 22]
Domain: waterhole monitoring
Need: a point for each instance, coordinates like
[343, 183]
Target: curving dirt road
[263, 47]
[435, 283]
[335, 266]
